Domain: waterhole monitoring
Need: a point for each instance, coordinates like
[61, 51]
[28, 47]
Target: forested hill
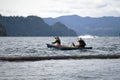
[60, 29]
[32, 26]
[101, 26]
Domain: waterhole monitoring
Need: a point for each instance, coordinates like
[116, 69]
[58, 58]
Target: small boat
[62, 47]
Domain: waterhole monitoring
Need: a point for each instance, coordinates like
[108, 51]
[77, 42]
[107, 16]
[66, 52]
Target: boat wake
[87, 36]
[38, 58]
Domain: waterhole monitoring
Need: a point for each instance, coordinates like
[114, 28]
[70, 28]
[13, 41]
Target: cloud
[101, 6]
[60, 11]
[54, 8]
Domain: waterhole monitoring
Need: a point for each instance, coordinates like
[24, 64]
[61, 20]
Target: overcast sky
[55, 8]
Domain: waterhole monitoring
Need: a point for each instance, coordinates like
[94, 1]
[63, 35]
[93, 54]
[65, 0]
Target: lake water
[81, 69]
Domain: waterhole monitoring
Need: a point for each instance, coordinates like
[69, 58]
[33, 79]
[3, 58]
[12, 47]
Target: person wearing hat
[81, 43]
[57, 41]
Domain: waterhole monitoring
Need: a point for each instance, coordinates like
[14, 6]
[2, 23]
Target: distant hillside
[103, 26]
[30, 26]
[60, 29]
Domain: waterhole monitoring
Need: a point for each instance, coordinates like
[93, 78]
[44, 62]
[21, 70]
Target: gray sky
[55, 8]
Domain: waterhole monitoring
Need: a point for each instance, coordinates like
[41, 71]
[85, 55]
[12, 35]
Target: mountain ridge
[100, 26]
[29, 26]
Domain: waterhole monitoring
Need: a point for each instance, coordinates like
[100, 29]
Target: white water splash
[87, 36]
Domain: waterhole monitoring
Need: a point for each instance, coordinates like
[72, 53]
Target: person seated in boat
[81, 43]
[57, 41]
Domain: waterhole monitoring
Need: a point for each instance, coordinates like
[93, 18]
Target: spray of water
[87, 36]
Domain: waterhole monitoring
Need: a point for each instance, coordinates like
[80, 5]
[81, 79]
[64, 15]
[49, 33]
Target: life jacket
[57, 44]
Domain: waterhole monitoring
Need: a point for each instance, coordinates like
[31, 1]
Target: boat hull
[62, 47]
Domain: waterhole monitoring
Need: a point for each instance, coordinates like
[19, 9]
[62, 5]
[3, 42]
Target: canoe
[62, 47]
